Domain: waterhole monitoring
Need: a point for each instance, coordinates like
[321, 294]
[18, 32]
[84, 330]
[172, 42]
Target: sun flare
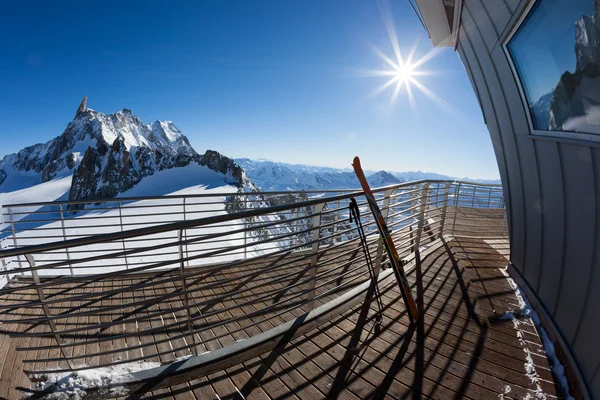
[404, 73]
[401, 72]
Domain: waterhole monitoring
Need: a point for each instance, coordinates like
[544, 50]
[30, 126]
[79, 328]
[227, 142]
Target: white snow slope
[190, 180]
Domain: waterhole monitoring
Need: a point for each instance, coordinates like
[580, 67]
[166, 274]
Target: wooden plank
[441, 370]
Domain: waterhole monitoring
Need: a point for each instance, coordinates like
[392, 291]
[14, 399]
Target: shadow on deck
[460, 348]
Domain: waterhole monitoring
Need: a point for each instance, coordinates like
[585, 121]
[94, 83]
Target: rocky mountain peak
[82, 106]
[587, 50]
[109, 154]
[225, 165]
[568, 96]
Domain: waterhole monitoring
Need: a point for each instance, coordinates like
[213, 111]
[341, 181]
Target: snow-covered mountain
[383, 178]
[109, 154]
[276, 176]
[409, 176]
[541, 111]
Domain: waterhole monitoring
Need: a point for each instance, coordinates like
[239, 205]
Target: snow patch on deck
[73, 385]
[525, 310]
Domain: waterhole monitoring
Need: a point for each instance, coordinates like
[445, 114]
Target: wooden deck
[459, 349]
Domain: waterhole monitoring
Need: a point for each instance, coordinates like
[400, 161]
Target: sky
[281, 80]
[544, 47]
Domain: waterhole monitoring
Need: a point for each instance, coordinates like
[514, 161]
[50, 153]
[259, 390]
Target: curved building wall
[552, 186]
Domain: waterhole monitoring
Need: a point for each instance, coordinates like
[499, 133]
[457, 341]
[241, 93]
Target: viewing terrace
[266, 295]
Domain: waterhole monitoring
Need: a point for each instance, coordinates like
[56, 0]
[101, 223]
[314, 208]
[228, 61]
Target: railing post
[187, 254]
[184, 291]
[337, 218]
[413, 203]
[367, 228]
[384, 213]
[445, 208]
[473, 199]
[122, 240]
[5, 268]
[316, 234]
[421, 215]
[489, 198]
[64, 232]
[245, 228]
[46, 309]
[14, 235]
[456, 204]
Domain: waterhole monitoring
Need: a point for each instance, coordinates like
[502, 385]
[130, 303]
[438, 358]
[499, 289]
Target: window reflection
[556, 51]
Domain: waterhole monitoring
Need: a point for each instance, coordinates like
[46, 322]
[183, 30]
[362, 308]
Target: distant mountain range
[275, 176]
[100, 156]
[278, 176]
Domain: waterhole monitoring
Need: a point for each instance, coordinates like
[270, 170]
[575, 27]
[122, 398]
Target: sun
[404, 73]
[401, 72]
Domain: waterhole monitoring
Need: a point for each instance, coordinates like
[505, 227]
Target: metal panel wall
[552, 187]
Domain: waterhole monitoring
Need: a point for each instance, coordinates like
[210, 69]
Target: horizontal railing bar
[106, 237]
[235, 194]
[177, 295]
[73, 262]
[152, 266]
[405, 193]
[155, 247]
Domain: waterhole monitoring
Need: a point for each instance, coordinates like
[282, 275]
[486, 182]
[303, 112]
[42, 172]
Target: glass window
[556, 52]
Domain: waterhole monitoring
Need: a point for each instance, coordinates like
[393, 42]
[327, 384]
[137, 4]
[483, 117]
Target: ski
[388, 243]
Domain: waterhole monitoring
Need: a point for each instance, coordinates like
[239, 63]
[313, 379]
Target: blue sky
[261, 79]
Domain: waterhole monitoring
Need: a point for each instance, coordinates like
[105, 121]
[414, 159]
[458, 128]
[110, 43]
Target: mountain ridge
[107, 154]
[279, 176]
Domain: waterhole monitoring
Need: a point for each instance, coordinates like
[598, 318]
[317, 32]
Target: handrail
[202, 195]
[228, 270]
[194, 223]
[198, 222]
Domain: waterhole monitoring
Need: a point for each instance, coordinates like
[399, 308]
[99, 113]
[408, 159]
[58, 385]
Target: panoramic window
[556, 52]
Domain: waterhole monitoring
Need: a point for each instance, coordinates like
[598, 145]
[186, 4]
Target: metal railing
[155, 279]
